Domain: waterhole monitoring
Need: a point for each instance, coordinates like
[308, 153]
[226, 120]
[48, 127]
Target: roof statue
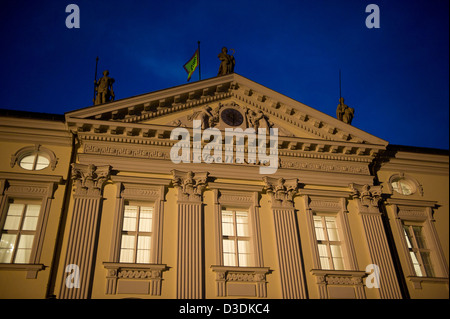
[227, 62]
[104, 89]
[344, 113]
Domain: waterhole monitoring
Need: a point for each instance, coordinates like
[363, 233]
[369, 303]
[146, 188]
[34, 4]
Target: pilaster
[287, 236]
[367, 199]
[81, 247]
[190, 239]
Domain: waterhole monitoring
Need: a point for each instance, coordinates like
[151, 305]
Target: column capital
[190, 185]
[89, 179]
[281, 191]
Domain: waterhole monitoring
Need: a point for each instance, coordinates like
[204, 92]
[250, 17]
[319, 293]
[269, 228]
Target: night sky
[396, 77]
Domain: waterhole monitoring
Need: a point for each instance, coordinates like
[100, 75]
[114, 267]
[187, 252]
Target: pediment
[155, 114]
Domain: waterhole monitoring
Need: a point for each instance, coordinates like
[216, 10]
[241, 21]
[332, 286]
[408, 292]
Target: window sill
[128, 278]
[32, 269]
[417, 281]
[241, 281]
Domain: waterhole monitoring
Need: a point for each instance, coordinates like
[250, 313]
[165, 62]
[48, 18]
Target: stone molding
[190, 185]
[341, 278]
[150, 273]
[89, 179]
[247, 281]
[281, 191]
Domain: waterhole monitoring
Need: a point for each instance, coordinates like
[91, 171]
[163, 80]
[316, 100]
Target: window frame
[20, 231]
[241, 200]
[414, 247]
[236, 238]
[36, 150]
[328, 242]
[28, 187]
[324, 203]
[419, 213]
[137, 232]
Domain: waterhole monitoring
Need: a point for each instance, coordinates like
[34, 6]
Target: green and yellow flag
[191, 65]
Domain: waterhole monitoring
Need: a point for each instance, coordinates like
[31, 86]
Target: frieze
[125, 151]
[326, 167]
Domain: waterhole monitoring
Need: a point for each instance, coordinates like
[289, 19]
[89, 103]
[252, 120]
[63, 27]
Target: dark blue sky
[396, 77]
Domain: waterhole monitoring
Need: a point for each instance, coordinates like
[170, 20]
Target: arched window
[34, 158]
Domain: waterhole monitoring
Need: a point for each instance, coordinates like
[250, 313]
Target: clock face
[232, 117]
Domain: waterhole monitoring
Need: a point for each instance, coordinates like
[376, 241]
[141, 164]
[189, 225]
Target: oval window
[403, 186]
[34, 162]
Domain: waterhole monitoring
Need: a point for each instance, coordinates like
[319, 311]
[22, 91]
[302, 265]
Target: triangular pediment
[158, 112]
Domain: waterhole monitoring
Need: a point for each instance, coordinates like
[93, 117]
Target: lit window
[136, 234]
[34, 162]
[236, 238]
[18, 232]
[328, 242]
[418, 251]
[403, 186]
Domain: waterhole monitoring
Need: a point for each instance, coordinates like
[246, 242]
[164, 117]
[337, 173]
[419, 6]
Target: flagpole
[340, 95]
[199, 70]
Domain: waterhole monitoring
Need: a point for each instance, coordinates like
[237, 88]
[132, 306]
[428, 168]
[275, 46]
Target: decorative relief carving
[190, 185]
[89, 179]
[369, 196]
[281, 191]
[326, 167]
[126, 151]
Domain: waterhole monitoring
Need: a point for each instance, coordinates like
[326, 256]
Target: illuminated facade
[92, 206]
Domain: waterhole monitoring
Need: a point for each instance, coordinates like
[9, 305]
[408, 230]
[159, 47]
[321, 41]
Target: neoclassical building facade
[93, 204]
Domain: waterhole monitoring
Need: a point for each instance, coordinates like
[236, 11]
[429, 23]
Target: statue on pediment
[104, 89]
[257, 119]
[344, 113]
[227, 62]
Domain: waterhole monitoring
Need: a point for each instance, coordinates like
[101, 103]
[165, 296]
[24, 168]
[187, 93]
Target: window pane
[320, 235]
[42, 162]
[24, 249]
[127, 249]
[324, 263]
[323, 252]
[7, 243]
[242, 230]
[336, 251]
[243, 246]
[406, 232]
[332, 229]
[395, 186]
[27, 162]
[129, 218]
[229, 259]
[419, 236]
[145, 219]
[406, 189]
[242, 217]
[244, 260]
[143, 252]
[338, 263]
[13, 216]
[31, 217]
[228, 246]
[227, 223]
[416, 264]
[427, 264]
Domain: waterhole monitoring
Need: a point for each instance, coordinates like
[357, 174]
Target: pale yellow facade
[331, 179]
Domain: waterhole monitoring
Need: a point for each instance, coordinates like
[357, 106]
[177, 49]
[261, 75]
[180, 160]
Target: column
[367, 199]
[287, 236]
[82, 243]
[190, 233]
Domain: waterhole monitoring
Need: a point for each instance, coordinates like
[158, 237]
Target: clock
[232, 117]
